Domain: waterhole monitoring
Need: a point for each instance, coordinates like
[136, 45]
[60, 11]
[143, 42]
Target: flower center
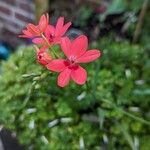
[71, 62]
[51, 37]
[72, 59]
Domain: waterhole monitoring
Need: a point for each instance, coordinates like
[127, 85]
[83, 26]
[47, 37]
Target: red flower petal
[66, 45]
[50, 30]
[56, 40]
[79, 75]
[79, 46]
[64, 77]
[43, 23]
[33, 29]
[59, 25]
[57, 65]
[38, 41]
[27, 33]
[47, 57]
[43, 58]
[89, 56]
[64, 29]
[47, 17]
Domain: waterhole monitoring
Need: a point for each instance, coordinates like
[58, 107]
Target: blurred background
[111, 112]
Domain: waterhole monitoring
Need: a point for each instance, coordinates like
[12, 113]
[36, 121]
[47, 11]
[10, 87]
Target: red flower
[76, 53]
[54, 34]
[42, 56]
[36, 30]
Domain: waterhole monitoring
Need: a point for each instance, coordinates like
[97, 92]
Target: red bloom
[42, 56]
[36, 30]
[54, 34]
[76, 53]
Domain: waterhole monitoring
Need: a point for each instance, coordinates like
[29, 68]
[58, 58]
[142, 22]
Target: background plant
[111, 111]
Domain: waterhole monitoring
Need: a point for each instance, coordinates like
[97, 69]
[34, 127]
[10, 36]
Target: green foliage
[82, 16]
[109, 111]
[120, 6]
[135, 5]
[145, 32]
[116, 7]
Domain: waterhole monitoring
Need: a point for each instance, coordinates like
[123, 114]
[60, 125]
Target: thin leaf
[127, 136]
[101, 116]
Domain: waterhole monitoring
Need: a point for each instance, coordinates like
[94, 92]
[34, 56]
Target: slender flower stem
[47, 42]
[36, 48]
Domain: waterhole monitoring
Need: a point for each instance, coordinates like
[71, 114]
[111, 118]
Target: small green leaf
[117, 7]
[126, 135]
[101, 115]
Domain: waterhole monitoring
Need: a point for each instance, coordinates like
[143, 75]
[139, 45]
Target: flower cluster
[45, 36]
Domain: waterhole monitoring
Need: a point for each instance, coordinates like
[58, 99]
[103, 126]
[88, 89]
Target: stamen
[72, 59]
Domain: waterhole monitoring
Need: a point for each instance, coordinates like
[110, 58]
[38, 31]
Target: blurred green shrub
[82, 16]
[108, 112]
[118, 7]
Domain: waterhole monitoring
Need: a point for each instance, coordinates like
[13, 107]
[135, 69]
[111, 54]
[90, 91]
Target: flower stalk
[50, 46]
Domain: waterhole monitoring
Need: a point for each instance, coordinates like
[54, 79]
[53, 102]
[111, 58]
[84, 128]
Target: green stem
[127, 113]
[29, 94]
[53, 51]
[135, 117]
